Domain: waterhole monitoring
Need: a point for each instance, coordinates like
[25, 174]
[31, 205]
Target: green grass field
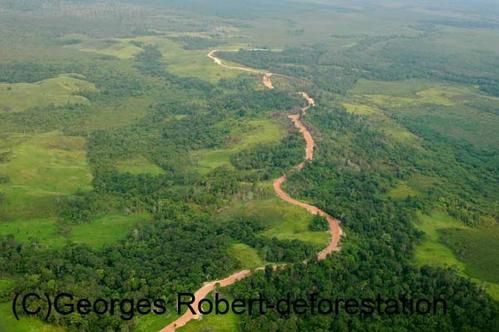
[182, 62]
[402, 191]
[8, 323]
[243, 135]
[432, 251]
[41, 168]
[246, 256]
[154, 322]
[477, 248]
[283, 221]
[6, 285]
[213, 323]
[138, 165]
[116, 47]
[105, 230]
[471, 251]
[448, 109]
[377, 118]
[96, 233]
[58, 91]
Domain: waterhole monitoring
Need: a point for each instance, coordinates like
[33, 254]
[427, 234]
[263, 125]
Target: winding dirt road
[334, 224]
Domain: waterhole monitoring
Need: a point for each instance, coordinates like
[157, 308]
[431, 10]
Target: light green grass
[246, 256]
[138, 165]
[432, 251]
[6, 286]
[377, 118]
[105, 230]
[401, 191]
[284, 221]
[95, 233]
[477, 248]
[119, 48]
[453, 111]
[43, 230]
[191, 63]
[154, 322]
[119, 113]
[41, 168]
[8, 323]
[242, 136]
[213, 323]
[187, 63]
[407, 88]
[59, 91]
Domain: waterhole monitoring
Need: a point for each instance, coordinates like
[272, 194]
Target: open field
[281, 220]
[178, 60]
[105, 230]
[154, 322]
[451, 110]
[247, 256]
[139, 165]
[59, 91]
[96, 233]
[26, 324]
[39, 169]
[222, 323]
[242, 136]
[471, 251]
[477, 249]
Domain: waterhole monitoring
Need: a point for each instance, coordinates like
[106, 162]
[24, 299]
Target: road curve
[334, 224]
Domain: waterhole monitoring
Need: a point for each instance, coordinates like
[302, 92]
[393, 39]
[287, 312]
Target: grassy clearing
[58, 91]
[121, 112]
[242, 136]
[284, 221]
[6, 286]
[8, 323]
[453, 111]
[407, 88]
[154, 322]
[120, 48]
[43, 230]
[105, 230]
[188, 63]
[96, 233]
[377, 118]
[477, 248]
[411, 92]
[246, 255]
[402, 191]
[39, 169]
[191, 63]
[465, 245]
[213, 322]
[432, 251]
[138, 165]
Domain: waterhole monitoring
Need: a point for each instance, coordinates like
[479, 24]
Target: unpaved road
[334, 224]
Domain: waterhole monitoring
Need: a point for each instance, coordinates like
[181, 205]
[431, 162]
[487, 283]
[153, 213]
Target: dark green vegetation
[131, 165]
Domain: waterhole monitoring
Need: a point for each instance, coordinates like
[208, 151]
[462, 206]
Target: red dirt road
[334, 224]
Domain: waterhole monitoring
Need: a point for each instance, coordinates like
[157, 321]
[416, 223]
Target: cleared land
[59, 91]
